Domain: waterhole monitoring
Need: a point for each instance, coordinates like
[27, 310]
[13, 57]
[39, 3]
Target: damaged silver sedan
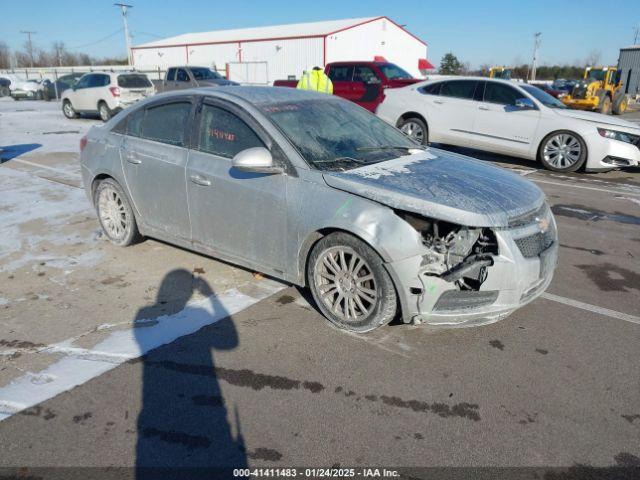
[319, 192]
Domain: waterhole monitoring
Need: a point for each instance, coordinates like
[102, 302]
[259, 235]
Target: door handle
[198, 180]
[482, 107]
[131, 158]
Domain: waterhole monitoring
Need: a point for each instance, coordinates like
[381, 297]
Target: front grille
[453, 300]
[534, 245]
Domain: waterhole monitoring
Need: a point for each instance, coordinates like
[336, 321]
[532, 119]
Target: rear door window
[433, 89]
[341, 73]
[500, 93]
[224, 134]
[182, 75]
[133, 80]
[167, 123]
[365, 74]
[463, 89]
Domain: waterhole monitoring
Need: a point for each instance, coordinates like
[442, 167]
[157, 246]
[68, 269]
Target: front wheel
[115, 214]
[350, 285]
[416, 129]
[68, 110]
[562, 151]
[605, 106]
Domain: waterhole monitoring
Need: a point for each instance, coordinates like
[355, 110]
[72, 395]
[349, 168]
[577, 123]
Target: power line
[97, 41]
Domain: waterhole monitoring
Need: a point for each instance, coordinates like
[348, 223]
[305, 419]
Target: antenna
[28, 33]
[124, 9]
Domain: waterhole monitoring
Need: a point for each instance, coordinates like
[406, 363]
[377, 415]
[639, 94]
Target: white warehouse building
[264, 54]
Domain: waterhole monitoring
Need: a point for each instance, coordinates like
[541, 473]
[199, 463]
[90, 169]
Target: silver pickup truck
[178, 78]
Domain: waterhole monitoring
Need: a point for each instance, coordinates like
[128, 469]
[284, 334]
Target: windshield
[133, 80]
[543, 97]
[596, 74]
[334, 134]
[394, 72]
[205, 74]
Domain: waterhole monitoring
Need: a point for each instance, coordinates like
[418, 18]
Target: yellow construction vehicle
[599, 90]
[500, 72]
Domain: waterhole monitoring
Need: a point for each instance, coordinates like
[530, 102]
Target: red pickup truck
[362, 82]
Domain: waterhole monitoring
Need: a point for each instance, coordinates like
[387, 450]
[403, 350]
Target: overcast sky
[489, 31]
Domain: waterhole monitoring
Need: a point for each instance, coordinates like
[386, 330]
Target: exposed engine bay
[456, 254]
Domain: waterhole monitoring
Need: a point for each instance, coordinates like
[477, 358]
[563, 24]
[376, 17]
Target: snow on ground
[39, 127]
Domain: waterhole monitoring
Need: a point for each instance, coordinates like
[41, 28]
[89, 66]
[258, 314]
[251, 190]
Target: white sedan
[514, 119]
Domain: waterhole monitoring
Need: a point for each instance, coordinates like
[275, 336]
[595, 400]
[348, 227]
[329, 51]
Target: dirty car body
[464, 243]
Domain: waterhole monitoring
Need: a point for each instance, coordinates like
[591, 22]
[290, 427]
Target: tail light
[115, 91]
[83, 143]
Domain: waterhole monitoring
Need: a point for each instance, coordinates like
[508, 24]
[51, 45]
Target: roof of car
[256, 95]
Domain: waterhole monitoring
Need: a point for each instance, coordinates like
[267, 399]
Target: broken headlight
[455, 253]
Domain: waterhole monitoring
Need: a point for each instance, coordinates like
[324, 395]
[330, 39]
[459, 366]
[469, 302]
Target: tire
[39, 95]
[68, 111]
[416, 129]
[16, 99]
[104, 112]
[605, 105]
[562, 151]
[620, 105]
[115, 214]
[358, 306]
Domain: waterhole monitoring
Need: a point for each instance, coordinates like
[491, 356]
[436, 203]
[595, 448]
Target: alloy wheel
[562, 150]
[413, 130]
[345, 283]
[68, 109]
[113, 214]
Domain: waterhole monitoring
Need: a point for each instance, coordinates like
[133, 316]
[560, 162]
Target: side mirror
[373, 81]
[255, 160]
[525, 104]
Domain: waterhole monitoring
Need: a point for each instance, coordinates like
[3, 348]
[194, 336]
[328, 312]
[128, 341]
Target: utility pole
[536, 45]
[636, 33]
[28, 33]
[123, 8]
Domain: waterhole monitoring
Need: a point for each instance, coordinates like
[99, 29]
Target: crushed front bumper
[521, 272]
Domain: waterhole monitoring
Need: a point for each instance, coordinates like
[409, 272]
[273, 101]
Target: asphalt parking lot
[153, 355]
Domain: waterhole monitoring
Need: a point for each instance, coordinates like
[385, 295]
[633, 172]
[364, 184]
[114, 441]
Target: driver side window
[84, 82]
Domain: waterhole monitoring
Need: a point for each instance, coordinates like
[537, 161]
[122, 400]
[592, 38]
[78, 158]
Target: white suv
[105, 93]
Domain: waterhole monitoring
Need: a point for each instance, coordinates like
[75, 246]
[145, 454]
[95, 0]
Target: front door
[240, 215]
[502, 126]
[341, 76]
[366, 87]
[154, 156]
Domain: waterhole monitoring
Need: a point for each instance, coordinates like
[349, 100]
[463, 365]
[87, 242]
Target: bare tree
[5, 56]
[593, 58]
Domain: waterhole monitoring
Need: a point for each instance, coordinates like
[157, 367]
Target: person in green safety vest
[316, 81]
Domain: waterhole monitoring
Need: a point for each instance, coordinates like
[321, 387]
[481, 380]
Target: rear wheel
[605, 106]
[416, 129]
[562, 151]
[104, 111]
[68, 110]
[349, 283]
[115, 214]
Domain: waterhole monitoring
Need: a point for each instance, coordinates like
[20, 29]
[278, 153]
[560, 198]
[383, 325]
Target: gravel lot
[239, 369]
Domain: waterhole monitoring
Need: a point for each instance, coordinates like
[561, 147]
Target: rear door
[454, 111]
[366, 87]
[341, 76]
[502, 126]
[154, 157]
[237, 214]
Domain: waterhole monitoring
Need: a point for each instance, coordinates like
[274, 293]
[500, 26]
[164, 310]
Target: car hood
[25, 86]
[596, 118]
[216, 83]
[445, 186]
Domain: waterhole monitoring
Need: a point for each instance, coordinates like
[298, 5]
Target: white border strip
[79, 365]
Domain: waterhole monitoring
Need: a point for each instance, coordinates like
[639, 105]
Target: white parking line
[591, 308]
[78, 365]
[572, 185]
[38, 165]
